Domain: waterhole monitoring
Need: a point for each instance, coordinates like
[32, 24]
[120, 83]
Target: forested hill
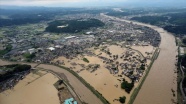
[20, 17]
[173, 22]
[73, 26]
[25, 15]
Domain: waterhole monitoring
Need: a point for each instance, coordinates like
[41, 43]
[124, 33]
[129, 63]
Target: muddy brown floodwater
[84, 93]
[36, 92]
[161, 80]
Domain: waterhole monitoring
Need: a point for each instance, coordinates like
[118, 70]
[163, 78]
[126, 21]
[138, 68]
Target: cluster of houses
[93, 67]
[129, 66]
[70, 45]
[129, 32]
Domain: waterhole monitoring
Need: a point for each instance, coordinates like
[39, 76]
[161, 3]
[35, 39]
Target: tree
[29, 56]
[86, 60]
[142, 67]
[122, 99]
[12, 69]
[127, 86]
[6, 50]
[184, 41]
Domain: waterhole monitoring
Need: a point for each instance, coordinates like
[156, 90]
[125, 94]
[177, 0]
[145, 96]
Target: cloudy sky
[76, 2]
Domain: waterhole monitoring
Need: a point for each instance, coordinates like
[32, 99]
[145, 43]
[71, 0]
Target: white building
[32, 50]
[51, 48]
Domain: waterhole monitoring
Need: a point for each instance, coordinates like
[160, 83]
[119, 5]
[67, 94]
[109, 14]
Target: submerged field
[34, 89]
[103, 79]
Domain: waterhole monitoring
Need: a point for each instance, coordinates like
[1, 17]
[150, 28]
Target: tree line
[174, 23]
[12, 70]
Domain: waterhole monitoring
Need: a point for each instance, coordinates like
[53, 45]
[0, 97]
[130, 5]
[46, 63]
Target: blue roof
[69, 101]
[75, 102]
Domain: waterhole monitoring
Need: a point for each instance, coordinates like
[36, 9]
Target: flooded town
[135, 47]
[90, 56]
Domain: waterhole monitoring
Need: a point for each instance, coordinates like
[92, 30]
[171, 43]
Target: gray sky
[76, 2]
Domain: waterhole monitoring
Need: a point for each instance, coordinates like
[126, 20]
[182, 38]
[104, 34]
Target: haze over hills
[95, 3]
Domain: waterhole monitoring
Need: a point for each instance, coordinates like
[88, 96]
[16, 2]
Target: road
[162, 77]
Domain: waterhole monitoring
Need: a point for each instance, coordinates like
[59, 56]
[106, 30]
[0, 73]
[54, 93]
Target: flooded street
[161, 78]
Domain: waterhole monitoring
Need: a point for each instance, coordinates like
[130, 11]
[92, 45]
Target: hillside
[72, 26]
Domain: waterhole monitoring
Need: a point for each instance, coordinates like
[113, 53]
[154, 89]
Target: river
[161, 80]
[84, 93]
